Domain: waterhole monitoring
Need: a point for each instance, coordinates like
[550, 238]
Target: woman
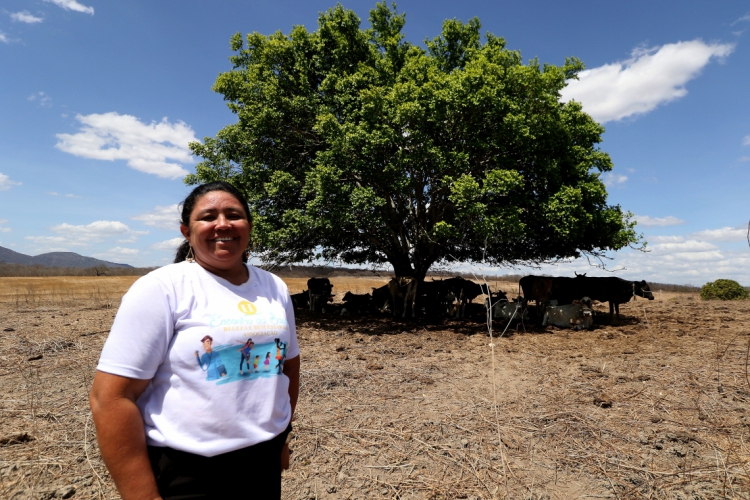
[171, 427]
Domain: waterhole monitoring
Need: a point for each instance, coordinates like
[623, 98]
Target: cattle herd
[558, 301]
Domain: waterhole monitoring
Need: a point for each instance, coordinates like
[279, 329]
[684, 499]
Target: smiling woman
[216, 226]
[179, 398]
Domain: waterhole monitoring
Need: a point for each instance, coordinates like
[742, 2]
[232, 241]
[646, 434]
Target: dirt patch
[654, 407]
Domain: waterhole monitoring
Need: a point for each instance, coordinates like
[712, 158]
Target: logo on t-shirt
[247, 307]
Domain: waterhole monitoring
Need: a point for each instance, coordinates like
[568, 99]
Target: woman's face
[219, 231]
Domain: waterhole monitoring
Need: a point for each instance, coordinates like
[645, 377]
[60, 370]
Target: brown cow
[538, 289]
[403, 291]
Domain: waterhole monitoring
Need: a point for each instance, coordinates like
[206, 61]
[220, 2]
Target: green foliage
[354, 145]
[723, 290]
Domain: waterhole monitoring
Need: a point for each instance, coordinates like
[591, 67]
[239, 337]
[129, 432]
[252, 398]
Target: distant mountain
[54, 259]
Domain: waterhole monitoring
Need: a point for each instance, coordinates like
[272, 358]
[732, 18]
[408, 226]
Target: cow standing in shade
[320, 290]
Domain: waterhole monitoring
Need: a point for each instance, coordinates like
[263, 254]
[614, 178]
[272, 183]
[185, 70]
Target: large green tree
[356, 146]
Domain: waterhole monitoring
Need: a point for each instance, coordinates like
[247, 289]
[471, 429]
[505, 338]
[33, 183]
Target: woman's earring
[190, 257]
[249, 249]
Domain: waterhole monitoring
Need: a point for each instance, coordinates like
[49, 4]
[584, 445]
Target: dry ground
[655, 407]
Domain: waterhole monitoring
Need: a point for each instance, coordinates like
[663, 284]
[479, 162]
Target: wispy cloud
[3, 227]
[6, 183]
[723, 234]
[746, 17]
[67, 195]
[41, 99]
[169, 245]
[146, 147]
[746, 140]
[72, 5]
[25, 17]
[652, 76]
[117, 253]
[98, 231]
[4, 38]
[665, 239]
[167, 217]
[645, 220]
[611, 179]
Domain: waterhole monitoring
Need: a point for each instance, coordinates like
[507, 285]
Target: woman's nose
[222, 221]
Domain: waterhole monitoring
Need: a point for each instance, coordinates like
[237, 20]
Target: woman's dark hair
[188, 205]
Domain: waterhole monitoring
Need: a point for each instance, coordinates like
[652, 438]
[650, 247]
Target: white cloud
[42, 99]
[746, 140]
[687, 246]
[117, 253]
[25, 17]
[4, 37]
[4, 229]
[146, 147]
[746, 17]
[665, 239]
[723, 234]
[169, 245]
[67, 195]
[6, 183]
[645, 220]
[97, 231]
[53, 240]
[611, 179]
[72, 5]
[649, 78]
[167, 217]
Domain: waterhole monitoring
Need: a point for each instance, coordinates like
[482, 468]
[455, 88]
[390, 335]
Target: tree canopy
[357, 146]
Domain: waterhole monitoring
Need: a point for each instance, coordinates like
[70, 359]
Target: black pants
[253, 472]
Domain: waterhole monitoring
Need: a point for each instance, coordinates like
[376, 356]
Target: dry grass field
[653, 407]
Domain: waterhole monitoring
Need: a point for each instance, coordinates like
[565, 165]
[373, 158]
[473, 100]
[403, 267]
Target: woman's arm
[291, 370]
[121, 434]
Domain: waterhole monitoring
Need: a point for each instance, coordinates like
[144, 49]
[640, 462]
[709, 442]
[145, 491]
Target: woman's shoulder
[166, 276]
[267, 278]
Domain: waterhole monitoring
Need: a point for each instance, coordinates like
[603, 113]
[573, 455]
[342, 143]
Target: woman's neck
[237, 275]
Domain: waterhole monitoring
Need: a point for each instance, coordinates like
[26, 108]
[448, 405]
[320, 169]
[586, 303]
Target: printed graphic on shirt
[256, 356]
[227, 363]
[248, 318]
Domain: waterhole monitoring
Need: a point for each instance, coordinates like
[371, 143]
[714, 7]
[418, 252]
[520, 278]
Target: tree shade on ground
[356, 146]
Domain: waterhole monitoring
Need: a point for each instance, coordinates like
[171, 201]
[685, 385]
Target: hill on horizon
[54, 259]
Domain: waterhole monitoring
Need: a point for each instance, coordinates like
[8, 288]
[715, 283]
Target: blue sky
[99, 99]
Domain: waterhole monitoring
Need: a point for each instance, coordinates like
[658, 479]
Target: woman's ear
[185, 231]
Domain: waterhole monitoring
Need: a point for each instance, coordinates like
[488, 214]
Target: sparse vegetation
[20, 270]
[404, 409]
[723, 290]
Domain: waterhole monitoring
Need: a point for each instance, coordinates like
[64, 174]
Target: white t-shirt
[206, 396]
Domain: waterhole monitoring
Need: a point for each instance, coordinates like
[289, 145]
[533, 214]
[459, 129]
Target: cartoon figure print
[267, 362]
[210, 362]
[245, 354]
[255, 364]
[280, 356]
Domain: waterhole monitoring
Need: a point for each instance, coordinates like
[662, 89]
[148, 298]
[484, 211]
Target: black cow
[357, 304]
[610, 289]
[301, 300]
[320, 291]
[381, 298]
[464, 290]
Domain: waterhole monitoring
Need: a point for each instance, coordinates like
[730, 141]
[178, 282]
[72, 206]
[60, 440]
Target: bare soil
[655, 406]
